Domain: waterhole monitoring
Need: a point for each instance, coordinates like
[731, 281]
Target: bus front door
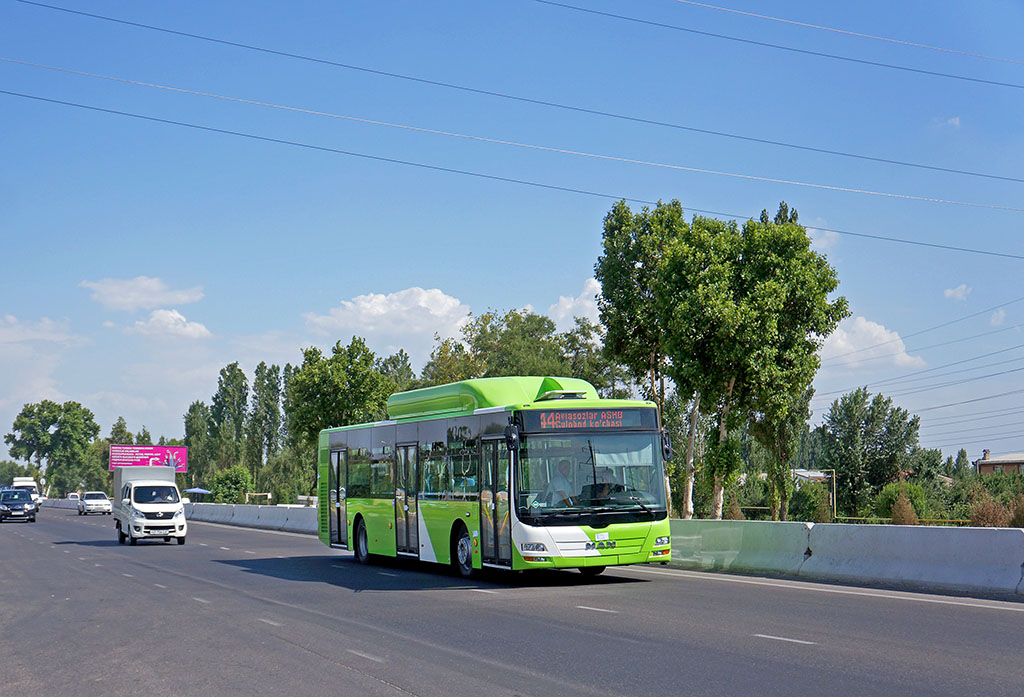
[338, 479]
[495, 526]
[406, 494]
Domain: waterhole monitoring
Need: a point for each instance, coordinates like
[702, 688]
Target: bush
[903, 512]
[1017, 519]
[989, 513]
[811, 503]
[733, 511]
[915, 493]
[230, 485]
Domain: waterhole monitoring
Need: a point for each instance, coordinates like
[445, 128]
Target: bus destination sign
[588, 419]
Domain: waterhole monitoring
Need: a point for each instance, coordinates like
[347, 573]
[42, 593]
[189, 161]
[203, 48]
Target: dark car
[17, 505]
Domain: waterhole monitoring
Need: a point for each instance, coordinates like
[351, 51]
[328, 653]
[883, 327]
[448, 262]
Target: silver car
[93, 502]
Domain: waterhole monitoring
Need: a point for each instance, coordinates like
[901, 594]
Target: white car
[94, 502]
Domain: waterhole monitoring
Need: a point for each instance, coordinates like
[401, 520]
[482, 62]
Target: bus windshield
[564, 477]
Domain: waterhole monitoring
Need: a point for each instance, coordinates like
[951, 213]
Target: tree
[450, 361]
[119, 433]
[199, 441]
[868, 442]
[745, 311]
[228, 407]
[516, 343]
[263, 424]
[31, 435]
[9, 470]
[143, 437]
[627, 270]
[230, 485]
[780, 437]
[333, 391]
[583, 352]
[398, 370]
[75, 429]
[962, 466]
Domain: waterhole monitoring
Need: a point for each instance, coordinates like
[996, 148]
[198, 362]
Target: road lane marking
[158, 585]
[226, 549]
[782, 638]
[483, 590]
[127, 575]
[1009, 607]
[272, 623]
[201, 600]
[203, 544]
[597, 609]
[336, 566]
[366, 655]
[248, 552]
[386, 573]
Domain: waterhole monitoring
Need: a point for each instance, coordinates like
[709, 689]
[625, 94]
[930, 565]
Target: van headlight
[661, 541]
[533, 547]
[180, 513]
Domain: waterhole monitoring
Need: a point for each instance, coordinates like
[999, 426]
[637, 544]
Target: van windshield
[155, 494]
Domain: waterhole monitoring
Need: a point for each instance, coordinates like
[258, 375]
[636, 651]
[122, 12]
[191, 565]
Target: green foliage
[9, 470]
[119, 433]
[733, 511]
[230, 401]
[811, 503]
[284, 477]
[397, 369]
[517, 343]
[450, 361]
[915, 493]
[31, 436]
[633, 248]
[143, 437]
[868, 442]
[263, 422]
[57, 433]
[902, 512]
[1017, 519]
[200, 442]
[230, 485]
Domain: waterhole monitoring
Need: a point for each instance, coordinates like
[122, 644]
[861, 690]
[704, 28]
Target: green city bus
[512, 473]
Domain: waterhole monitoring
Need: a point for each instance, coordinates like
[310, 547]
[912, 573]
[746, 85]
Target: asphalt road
[246, 612]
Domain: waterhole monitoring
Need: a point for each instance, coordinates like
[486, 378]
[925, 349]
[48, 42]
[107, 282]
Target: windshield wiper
[638, 502]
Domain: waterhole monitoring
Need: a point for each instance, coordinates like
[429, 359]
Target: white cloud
[139, 293]
[859, 342]
[947, 122]
[13, 330]
[30, 355]
[959, 293]
[405, 319]
[997, 318]
[583, 305]
[169, 322]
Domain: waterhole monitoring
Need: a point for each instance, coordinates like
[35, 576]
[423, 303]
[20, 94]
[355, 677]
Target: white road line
[386, 573]
[796, 585]
[248, 552]
[203, 544]
[597, 609]
[200, 600]
[782, 638]
[226, 549]
[158, 585]
[127, 575]
[483, 590]
[366, 655]
[334, 566]
[81, 559]
[97, 564]
[272, 623]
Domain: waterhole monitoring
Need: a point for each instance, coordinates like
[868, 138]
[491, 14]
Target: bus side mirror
[667, 451]
[511, 437]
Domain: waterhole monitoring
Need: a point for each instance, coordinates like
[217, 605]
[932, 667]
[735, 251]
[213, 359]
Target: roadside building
[1010, 462]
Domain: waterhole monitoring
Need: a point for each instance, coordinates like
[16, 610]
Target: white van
[147, 504]
[27, 484]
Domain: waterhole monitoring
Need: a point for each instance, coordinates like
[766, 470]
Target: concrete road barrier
[272, 517]
[739, 545]
[940, 558]
[302, 520]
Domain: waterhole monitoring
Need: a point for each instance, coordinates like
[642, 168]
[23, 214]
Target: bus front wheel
[462, 552]
[362, 546]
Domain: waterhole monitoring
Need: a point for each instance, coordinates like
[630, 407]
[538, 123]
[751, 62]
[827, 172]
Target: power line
[478, 174]
[970, 401]
[922, 331]
[980, 429]
[954, 383]
[909, 377]
[950, 421]
[529, 100]
[847, 32]
[530, 146]
[986, 414]
[779, 47]
[1001, 436]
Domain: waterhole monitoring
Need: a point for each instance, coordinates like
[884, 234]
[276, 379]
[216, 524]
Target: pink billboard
[149, 456]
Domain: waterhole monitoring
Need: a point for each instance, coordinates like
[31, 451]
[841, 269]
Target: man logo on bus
[601, 545]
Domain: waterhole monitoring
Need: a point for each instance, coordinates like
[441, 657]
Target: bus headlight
[533, 547]
[661, 541]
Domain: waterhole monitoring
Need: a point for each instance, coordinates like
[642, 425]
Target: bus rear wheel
[462, 553]
[362, 545]
[591, 571]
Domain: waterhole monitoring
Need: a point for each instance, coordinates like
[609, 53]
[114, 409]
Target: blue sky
[141, 257]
